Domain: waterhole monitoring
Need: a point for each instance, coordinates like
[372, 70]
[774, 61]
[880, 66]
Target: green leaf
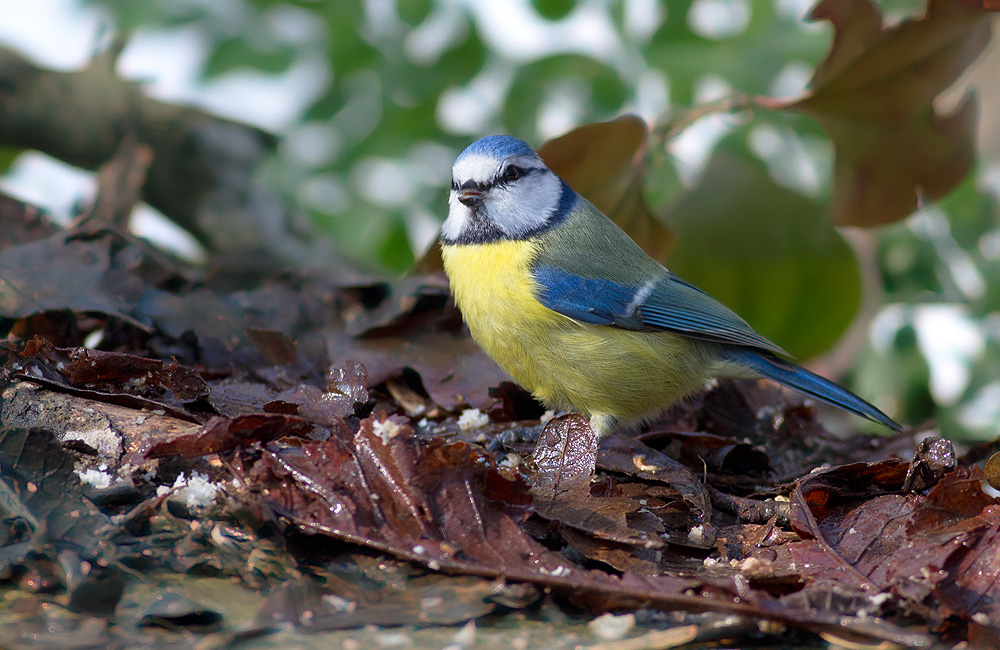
[348, 51]
[413, 12]
[908, 264]
[749, 61]
[766, 252]
[7, 157]
[553, 9]
[235, 53]
[971, 212]
[409, 84]
[900, 374]
[394, 252]
[130, 15]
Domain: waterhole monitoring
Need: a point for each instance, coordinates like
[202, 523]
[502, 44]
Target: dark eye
[512, 173]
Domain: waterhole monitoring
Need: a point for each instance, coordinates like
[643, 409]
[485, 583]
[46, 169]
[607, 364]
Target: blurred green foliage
[7, 157]
[942, 263]
[404, 85]
[795, 254]
[411, 82]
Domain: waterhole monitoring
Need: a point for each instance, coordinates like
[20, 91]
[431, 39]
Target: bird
[568, 305]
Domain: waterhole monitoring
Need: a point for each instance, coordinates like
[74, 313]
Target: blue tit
[571, 308]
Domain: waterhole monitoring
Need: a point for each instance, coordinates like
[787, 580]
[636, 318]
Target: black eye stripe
[501, 177]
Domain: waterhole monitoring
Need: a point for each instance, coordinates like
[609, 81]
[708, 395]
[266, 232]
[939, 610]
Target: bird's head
[501, 190]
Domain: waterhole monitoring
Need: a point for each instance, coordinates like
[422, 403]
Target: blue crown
[498, 146]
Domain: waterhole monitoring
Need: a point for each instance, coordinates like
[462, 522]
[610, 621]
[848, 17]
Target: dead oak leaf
[874, 94]
[606, 163]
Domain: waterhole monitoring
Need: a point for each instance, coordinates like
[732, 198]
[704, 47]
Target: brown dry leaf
[114, 377]
[443, 505]
[565, 459]
[22, 222]
[874, 97]
[128, 373]
[621, 557]
[222, 434]
[625, 454]
[438, 504]
[63, 272]
[606, 163]
[936, 555]
[415, 326]
[992, 471]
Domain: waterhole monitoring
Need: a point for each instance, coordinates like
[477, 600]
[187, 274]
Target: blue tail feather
[788, 374]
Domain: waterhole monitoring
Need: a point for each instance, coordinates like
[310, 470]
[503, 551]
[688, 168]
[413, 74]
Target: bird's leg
[603, 424]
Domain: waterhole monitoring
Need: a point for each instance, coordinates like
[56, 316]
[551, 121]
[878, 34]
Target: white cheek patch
[525, 206]
[458, 217]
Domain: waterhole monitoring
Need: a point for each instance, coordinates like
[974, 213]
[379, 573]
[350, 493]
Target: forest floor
[314, 461]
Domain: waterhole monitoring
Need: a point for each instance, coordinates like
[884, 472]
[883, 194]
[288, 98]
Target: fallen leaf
[115, 377]
[625, 454]
[128, 373]
[564, 461]
[60, 272]
[442, 505]
[276, 347]
[22, 222]
[415, 326]
[47, 519]
[936, 554]
[564, 457]
[223, 434]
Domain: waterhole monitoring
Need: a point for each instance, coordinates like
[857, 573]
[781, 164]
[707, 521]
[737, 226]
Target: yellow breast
[600, 370]
[494, 290]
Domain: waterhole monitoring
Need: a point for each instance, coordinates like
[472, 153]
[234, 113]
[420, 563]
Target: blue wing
[665, 303]
[670, 304]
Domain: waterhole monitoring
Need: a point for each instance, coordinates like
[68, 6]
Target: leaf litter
[323, 472]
